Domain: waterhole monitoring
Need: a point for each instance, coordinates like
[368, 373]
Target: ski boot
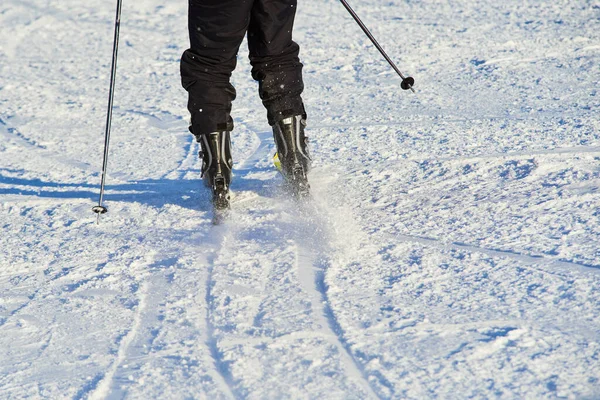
[216, 168]
[292, 157]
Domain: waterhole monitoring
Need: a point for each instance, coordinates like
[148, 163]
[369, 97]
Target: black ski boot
[293, 153]
[216, 168]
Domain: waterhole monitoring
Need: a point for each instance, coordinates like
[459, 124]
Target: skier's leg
[275, 65]
[274, 58]
[216, 29]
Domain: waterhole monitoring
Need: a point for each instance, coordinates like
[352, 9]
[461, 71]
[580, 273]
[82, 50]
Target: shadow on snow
[186, 193]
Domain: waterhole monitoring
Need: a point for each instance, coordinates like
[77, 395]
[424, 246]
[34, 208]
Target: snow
[451, 250]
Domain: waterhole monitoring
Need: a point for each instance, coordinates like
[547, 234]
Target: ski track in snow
[312, 277]
[528, 259]
[104, 387]
[450, 250]
[171, 279]
[211, 340]
[311, 255]
[12, 135]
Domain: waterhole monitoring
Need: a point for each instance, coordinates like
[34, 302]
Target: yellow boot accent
[277, 162]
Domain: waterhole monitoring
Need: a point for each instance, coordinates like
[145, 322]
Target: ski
[295, 182]
[221, 201]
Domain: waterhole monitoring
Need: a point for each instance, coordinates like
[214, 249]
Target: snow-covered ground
[451, 251]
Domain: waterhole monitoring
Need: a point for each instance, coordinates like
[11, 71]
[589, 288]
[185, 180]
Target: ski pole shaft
[100, 209]
[407, 82]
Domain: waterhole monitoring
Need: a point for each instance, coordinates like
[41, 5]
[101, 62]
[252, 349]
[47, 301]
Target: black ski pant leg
[274, 58]
[216, 29]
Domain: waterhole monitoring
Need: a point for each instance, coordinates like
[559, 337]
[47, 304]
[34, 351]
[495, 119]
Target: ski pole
[100, 209]
[407, 82]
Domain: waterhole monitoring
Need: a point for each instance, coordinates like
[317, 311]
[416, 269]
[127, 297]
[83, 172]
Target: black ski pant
[217, 28]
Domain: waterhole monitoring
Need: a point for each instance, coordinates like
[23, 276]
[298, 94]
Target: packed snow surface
[451, 249]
